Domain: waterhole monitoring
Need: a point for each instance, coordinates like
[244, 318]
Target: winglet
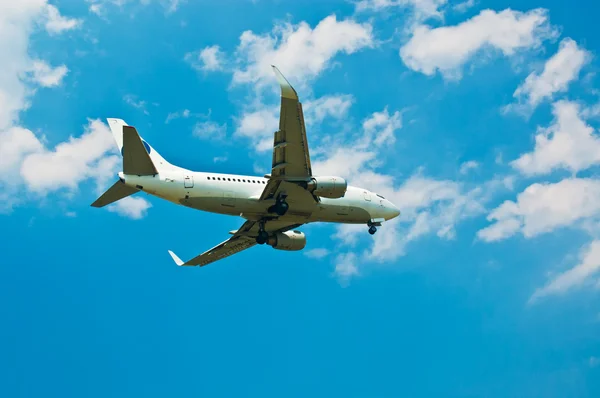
[287, 91]
[175, 258]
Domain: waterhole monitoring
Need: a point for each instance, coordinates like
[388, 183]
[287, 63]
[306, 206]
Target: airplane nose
[392, 211]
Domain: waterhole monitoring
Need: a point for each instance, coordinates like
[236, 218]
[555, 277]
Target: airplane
[273, 205]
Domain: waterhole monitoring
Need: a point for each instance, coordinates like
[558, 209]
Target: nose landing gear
[373, 224]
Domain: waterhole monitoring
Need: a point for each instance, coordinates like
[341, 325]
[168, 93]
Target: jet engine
[328, 187]
[289, 240]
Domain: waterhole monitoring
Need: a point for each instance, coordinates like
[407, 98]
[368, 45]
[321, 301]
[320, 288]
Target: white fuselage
[239, 195]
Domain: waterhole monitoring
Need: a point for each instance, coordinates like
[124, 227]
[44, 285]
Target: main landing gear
[281, 206]
[263, 235]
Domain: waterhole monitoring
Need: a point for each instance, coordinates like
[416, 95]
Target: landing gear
[263, 235]
[281, 206]
[373, 224]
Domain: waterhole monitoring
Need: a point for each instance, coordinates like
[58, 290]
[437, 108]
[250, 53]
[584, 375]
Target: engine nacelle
[289, 240]
[328, 187]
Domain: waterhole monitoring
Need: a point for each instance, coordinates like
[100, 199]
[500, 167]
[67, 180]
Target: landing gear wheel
[372, 230]
[281, 208]
[262, 237]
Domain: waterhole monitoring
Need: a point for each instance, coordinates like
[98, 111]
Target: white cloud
[318, 253]
[47, 76]
[568, 143]
[541, 208]
[131, 207]
[380, 127]
[424, 8]
[346, 267]
[210, 130]
[297, 50]
[468, 166]
[209, 59]
[576, 276]
[259, 126]
[328, 106]
[184, 114]
[132, 100]
[17, 23]
[70, 162]
[259, 122]
[15, 144]
[464, 6]
[56, 23]
[560, 70]
[446, 49]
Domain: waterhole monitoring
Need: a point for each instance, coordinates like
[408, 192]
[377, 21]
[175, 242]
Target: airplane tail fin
[117, 192]
[138, 156]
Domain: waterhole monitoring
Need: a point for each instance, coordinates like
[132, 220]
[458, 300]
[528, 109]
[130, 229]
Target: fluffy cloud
[56, 23]
[588, 266]
[569, 143]
[209, 59]
[560, 70]
[380, 127]
[131, 207]
[446, 49]
[297, 50]
[259, 124]
[210, 130]
[468, 166]
[541, 208]
[17, 23]
[27, 165]
[47, 76]
[70, 162]
[335, 106]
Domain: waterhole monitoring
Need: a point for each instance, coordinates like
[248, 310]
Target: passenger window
[208, 178]
[219, 178]
[244, 180]
[229, 179]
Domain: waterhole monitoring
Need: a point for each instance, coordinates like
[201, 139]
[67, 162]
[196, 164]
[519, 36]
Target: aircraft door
[367, 196]
[188, 182]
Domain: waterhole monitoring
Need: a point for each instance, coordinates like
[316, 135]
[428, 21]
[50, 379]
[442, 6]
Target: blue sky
[479, 120]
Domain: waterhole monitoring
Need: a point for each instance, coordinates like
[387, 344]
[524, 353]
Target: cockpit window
[380, 196]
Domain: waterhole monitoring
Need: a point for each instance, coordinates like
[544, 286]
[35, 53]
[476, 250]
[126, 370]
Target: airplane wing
[242, 239]
[291, 159]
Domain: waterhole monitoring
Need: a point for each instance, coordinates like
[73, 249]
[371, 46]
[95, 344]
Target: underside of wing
[242, 239]
[291, 159]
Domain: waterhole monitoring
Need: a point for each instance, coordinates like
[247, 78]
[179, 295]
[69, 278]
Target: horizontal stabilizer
[136, 157]
[117, 192]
